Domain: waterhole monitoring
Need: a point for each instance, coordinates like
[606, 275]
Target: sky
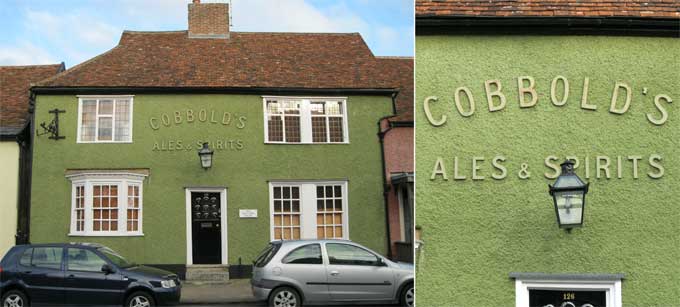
[73, 31]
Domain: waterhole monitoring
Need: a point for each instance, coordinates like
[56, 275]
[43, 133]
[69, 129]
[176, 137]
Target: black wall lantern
[569, 197]
[205, 154]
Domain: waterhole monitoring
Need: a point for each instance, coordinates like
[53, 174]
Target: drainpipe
[381, 136]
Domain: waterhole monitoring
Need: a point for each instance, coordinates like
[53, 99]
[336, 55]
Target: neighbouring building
[506, 92]
[291, 120]
[397, 137]
[15, 149]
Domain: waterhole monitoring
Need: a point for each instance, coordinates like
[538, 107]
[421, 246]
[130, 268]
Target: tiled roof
[279, 60]
[549, 8]
[15, 82]
[401, 69]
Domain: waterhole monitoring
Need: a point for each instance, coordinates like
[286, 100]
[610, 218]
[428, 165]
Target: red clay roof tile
[15, 82]
[557, 8]
[255, 60]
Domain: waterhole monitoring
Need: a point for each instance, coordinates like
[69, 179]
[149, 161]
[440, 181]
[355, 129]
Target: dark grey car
[290, 273]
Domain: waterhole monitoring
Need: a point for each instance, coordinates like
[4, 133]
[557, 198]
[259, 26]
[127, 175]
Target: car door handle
[335, 273]
[71, 276]
[28, 272]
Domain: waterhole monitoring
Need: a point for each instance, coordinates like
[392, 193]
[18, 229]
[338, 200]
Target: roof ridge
[31, 66]
[300, 33]
[394, 57]
[154, 32]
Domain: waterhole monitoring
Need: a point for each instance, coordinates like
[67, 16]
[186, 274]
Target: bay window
[106, 119]
[308, 210]
[295, 120]
[106, 204]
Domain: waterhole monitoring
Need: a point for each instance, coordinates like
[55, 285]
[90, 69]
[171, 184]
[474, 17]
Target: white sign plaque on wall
[247, 213]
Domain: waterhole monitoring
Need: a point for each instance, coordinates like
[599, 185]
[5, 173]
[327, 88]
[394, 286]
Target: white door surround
[610, 283]
[223, 214]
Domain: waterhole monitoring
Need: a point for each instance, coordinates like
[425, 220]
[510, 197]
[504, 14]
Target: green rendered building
[506, 92]
[290, 121]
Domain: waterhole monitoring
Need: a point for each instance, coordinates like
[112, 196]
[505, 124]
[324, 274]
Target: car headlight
[168, 284]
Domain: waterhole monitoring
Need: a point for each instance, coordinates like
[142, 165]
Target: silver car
[290, 273]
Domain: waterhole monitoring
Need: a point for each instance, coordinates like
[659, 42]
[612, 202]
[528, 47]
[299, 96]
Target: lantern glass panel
[206, 160]
[569, 207]
[569, 181]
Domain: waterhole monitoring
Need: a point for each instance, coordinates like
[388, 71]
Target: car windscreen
[117, 259]
[267, 254]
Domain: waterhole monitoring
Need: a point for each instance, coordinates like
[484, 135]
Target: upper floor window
[104, 119]
[305, 120]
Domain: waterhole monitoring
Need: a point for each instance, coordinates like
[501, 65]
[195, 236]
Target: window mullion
[88, 207]
[96, 121]
[113, 121]
[305, 121]
[122, 206]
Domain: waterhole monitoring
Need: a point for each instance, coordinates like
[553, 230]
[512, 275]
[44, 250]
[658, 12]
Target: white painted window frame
[97, 116]
[612, 289]
[122, 180]
[308, 206]
[223, 214]
[306, 119]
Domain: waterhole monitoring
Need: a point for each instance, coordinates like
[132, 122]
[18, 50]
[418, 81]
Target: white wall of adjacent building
[9, 187]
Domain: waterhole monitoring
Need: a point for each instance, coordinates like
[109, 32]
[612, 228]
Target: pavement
[235, 292]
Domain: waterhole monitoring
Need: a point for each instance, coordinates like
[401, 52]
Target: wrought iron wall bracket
[53, 127]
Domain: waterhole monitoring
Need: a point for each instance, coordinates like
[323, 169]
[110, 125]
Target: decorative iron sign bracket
[52, 127]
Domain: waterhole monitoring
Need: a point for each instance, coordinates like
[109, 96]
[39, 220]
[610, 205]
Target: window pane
[275, 126]
[84, 260]
[26, 257]
[344, 254]
[335, 129]
[47, 257]
[87, 125]
[319, 134]
[105, 128]
[122, 118]
[308, 254]
[293, 129]
[106, 107]
[334, 108]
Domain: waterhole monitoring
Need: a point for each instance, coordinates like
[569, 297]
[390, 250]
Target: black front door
[567, 298]
[206, 228]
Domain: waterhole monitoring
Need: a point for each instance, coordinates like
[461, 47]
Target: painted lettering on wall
[180, 145]
[497, 98]
[598, 167]
[190, 116]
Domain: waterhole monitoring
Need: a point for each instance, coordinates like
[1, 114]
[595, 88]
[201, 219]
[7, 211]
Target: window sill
[132, 234]
[286, 143]
[104, 142]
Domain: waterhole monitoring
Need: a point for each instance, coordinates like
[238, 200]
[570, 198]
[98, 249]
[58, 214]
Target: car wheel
[408, 296]
[15, 298]
[285, 297]
[139, 299]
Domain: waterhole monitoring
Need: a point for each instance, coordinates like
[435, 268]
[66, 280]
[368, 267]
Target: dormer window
[295, 120]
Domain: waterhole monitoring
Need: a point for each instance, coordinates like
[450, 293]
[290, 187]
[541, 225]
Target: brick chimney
[208, 20]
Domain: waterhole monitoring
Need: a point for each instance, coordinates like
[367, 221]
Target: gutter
[386, 190]
[126, 90]
[522, 25]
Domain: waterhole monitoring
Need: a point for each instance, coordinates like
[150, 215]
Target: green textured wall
[477, 232]
[244, 172]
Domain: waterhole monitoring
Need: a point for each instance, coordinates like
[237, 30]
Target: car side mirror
[107, 269]
[381, 262]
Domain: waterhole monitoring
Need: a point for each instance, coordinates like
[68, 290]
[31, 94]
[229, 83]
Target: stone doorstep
[232, 291]
[204, 274]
